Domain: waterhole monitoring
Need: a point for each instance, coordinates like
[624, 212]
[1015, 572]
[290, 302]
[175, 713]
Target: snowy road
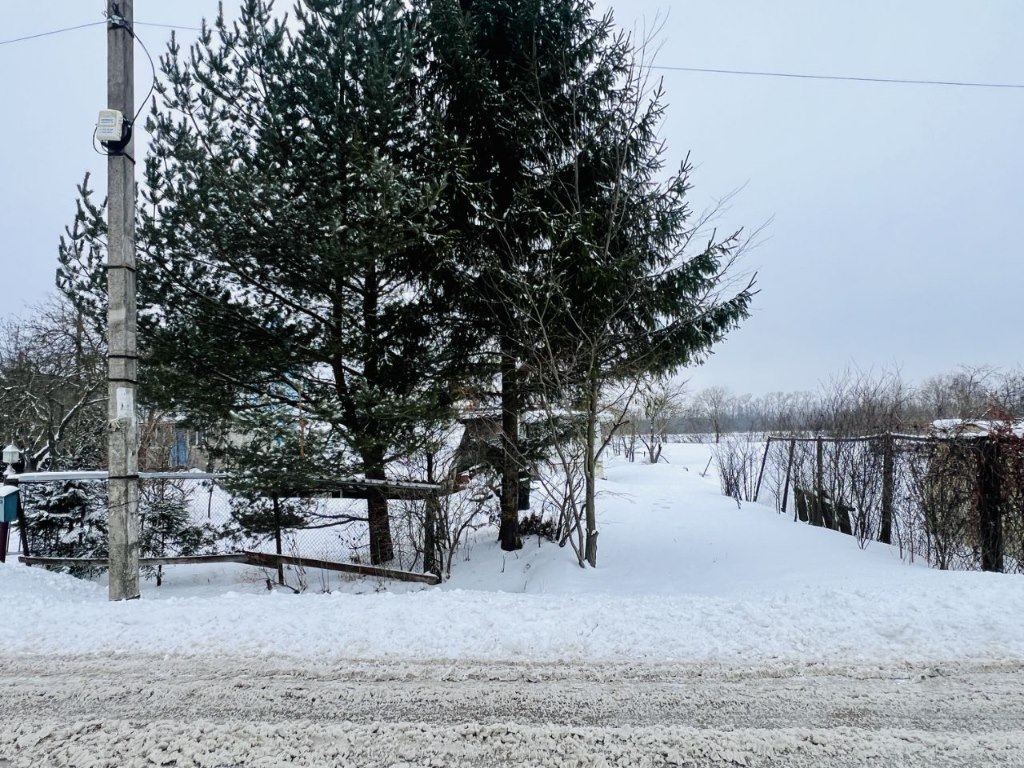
[180, 711]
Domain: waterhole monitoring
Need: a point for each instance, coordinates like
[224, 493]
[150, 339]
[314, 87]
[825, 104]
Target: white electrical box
[110, 125]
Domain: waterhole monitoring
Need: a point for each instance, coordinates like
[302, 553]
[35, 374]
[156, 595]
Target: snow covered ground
[684, 576]
[709, 635]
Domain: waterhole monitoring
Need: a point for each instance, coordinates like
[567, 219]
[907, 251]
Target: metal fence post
[819, 483]
[277, 539]
[760, 475]
[789, 469]
[888, 487]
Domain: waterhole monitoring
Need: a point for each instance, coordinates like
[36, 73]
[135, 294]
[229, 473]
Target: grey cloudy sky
[895, 208]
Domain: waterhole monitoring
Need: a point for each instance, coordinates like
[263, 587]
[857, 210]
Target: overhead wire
[152, 68]
[94, 24]
[167, 26]
[50, 32]
[662, 68]
[847, 78]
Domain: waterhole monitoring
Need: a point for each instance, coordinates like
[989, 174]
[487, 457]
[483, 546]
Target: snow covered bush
[167, 527]
[66, 519]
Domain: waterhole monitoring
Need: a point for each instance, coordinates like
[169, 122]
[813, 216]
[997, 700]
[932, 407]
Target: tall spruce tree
[495, 59]
[575, 241]
[289, 250]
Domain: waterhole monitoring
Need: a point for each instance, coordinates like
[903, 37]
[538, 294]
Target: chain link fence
[194, 514]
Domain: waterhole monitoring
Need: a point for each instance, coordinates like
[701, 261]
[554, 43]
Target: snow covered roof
[975, 427]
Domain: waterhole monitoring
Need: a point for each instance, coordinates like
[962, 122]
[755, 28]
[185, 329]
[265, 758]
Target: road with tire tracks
[132, 710]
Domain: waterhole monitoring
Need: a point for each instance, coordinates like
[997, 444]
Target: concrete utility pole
[123, 440]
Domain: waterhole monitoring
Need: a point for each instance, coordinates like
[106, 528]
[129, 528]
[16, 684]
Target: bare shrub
[738, 459]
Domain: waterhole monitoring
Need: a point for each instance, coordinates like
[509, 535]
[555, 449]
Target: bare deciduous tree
[53, 387]
[661, 401]
[713, 404]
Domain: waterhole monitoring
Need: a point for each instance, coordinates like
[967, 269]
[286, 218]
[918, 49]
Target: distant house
[166, 443]
[481, 440]
[480, 444]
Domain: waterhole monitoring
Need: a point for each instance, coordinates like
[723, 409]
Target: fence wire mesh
[198, 515]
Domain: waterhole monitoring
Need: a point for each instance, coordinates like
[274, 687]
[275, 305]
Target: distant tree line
[852, 403]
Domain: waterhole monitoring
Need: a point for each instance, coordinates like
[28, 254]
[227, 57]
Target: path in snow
[140, 711]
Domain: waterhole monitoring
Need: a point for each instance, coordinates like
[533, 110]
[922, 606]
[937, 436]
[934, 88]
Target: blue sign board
[9, 496]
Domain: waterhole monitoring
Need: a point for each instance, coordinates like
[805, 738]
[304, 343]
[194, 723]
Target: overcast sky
[895, 209]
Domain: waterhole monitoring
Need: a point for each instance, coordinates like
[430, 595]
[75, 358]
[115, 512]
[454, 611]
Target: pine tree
[347, 216]
[67, 519]
[166, 527]
[623, 297]
[289, 243]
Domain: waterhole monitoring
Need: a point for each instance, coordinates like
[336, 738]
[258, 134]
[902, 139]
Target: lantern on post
[11, 456]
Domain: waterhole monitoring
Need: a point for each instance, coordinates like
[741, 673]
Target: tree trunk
[590, 474]
[381, 547]
[431, 514]
[508, 533]
[278, 547]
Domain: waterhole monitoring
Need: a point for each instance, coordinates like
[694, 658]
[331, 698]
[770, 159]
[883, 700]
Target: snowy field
[684, 576]
[709, 636]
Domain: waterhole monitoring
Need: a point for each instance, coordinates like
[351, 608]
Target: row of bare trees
[852, 402]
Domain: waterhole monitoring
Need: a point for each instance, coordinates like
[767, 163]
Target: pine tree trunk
[382, 549]
[508, 533]
[431, 514]
[381, 546]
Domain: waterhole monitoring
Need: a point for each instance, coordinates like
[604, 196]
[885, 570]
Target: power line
[51, 32]
[703, 70]
[166, 26]
[847, 78]
[93, 24]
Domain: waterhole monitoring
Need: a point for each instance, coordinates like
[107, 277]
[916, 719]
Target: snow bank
[684, 576]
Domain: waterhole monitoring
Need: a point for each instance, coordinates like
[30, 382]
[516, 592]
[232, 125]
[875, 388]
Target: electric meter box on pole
[110, 126]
